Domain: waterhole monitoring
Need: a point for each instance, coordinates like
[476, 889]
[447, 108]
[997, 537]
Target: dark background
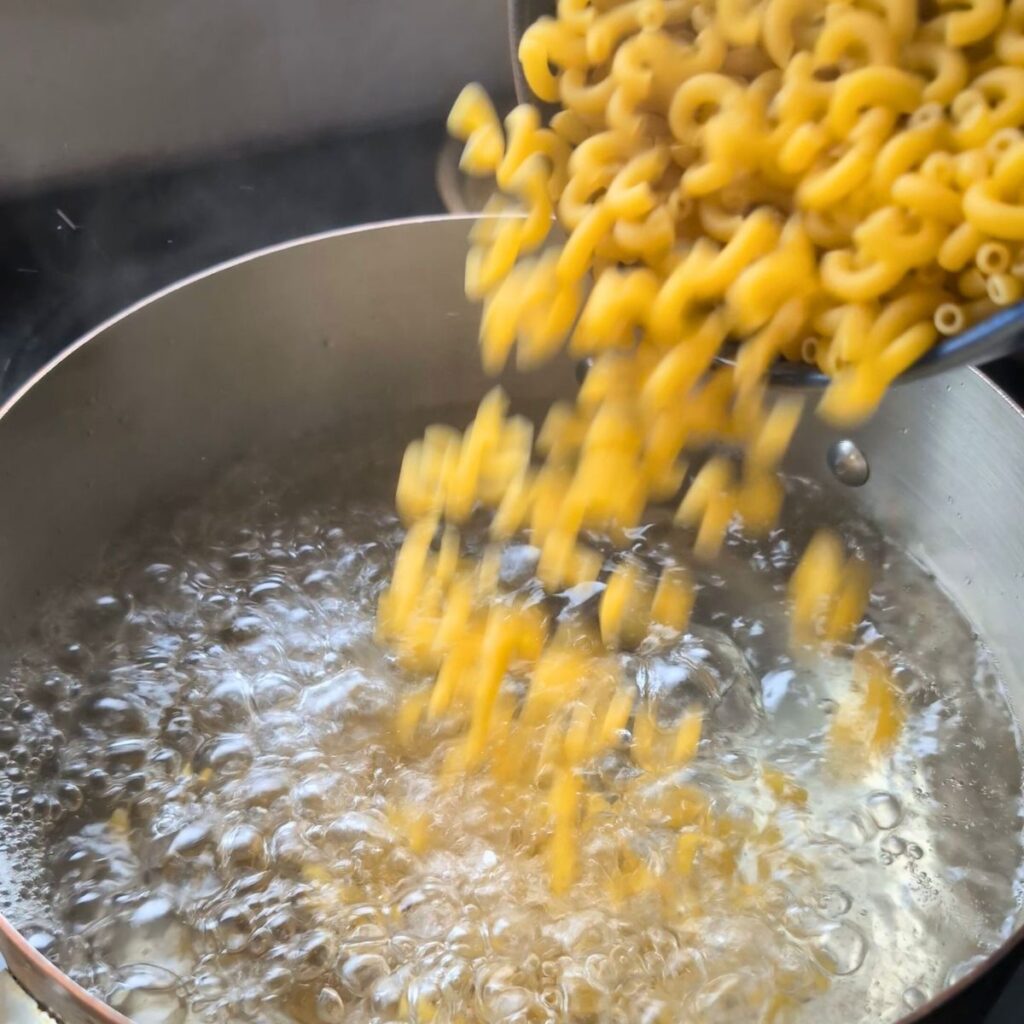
[72, 256]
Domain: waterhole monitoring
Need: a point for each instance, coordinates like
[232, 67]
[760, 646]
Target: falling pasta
[821, 181]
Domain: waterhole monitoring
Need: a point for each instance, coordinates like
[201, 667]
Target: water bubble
[361, 971]
[127, 753]
[840, 947]
[154, 912]
[893, 845]
[115, 715]
[705, 668]
[351, 694]
[727, 997]
[41, 939]
[148, 994]
[23, 712]
[274, 691]
[70, 796]
[228, 754]
[52, 689]
[46, 807]
[97, 781]
[86, 906]
[960, 971]
[65, 714]
[179, 732]
[191, 839]
[736, 765]
[501, 999]
[914, 997]
[833, 901]
[356, 827]
[885, 810]
[386, 993]
[234, 928]
[263, 786]
[312, 955]
[229, 703]
[330, 1007]
[242, 847]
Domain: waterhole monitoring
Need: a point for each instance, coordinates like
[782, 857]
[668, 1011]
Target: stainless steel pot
[332, 332]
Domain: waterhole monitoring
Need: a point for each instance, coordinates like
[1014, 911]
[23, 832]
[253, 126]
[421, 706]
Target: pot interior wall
[341, 331]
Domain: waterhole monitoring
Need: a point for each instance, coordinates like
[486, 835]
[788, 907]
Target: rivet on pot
[848, 463]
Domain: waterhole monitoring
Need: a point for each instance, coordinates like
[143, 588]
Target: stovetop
[74, 256]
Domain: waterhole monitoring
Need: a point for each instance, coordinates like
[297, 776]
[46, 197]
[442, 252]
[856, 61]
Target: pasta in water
[834, 182]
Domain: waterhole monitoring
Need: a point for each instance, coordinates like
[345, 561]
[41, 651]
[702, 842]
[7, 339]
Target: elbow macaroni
[799, 179]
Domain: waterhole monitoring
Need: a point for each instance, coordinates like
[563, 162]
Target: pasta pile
[834, 181]
[839, 182]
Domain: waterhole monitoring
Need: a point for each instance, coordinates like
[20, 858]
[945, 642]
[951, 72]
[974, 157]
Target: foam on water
[198, 773]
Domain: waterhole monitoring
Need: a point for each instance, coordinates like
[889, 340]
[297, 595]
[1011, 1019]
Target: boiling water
[198, 775]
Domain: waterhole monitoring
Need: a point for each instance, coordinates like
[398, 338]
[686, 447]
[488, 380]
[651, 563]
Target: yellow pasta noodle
[734, 182]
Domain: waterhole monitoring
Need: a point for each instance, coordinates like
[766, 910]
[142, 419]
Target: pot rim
[31, 968]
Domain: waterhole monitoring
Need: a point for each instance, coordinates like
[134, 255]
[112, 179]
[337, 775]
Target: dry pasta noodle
[837, 183]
